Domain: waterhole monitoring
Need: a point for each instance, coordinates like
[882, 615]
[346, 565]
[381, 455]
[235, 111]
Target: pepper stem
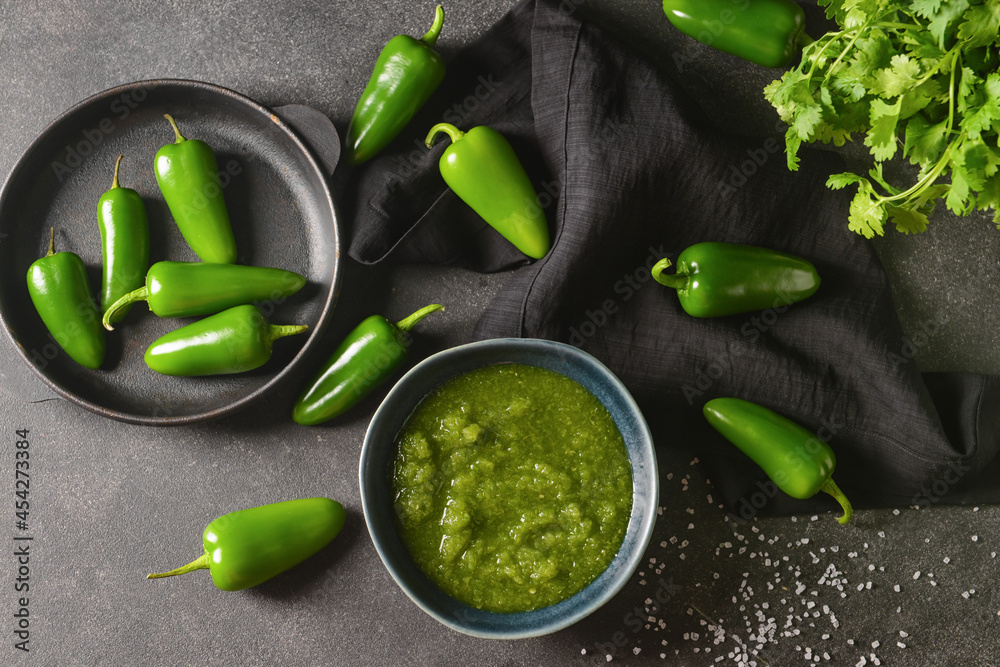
[804, 40]
[114, 182]
[200, 563]
[675, 280]
[177, 130]
[140, 294]
[449, 129]
[52, 242]
[829, 486]
[430, 39]
[276, 331]
[407, 323]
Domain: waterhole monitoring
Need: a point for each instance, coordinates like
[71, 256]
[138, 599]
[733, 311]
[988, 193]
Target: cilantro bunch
[919, 76]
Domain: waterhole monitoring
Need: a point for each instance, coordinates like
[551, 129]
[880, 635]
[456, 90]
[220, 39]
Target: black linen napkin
[628, 171]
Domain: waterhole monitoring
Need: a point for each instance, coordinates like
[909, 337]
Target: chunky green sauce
[513, 488]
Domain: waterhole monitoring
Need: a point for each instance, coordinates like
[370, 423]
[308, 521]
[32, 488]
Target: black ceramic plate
[282, 214]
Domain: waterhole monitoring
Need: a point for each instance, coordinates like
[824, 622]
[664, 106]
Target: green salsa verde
[513, 487]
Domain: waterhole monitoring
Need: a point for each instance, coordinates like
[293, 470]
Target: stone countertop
[111, 502]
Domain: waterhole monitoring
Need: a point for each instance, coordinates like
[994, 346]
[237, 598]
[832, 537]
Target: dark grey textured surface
[111, 502]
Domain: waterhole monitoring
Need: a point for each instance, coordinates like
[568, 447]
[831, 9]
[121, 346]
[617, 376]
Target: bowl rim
[640, 527]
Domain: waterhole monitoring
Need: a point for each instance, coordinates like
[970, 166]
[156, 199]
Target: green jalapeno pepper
[247, 547]
[58, 286]
[365, 359]
[797, 461]
[188, 176]
[406, 73]
[183, 289]
[765, 32]
[717, 279]
[482, 169]
[233, 341]
[121, 217]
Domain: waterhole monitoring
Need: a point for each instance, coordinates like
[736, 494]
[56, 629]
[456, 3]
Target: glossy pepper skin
[121, 217]
[482, 169]
[247, 547]
[406, 73]
[188, 175]
[60, 292]
[366, 358]
[715, 279]
[233, 341]
[769, 33]
[798, 462]
[183, 289]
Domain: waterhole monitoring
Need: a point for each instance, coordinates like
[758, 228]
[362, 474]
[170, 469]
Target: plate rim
[330, 299]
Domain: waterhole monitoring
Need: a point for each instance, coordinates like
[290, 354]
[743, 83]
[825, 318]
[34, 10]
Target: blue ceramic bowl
[379, 450]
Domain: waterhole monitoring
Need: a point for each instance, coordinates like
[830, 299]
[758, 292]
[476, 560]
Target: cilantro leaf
[942, 24]
[867, 215]
[926, 8]
[967, 89]
[925, 141]
[807, 119]
[792, 143]
[981, 25]
[989, 196]
[988, 112]
[881, 136]
[901, 76]
[840, 181]
[907, 220]
[958, 195]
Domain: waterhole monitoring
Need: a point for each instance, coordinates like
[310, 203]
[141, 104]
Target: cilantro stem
[945, 158]
[954, 52]
[857, 30]
[927, 180]
[847, 49]
[951, 91]
[834, 36]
